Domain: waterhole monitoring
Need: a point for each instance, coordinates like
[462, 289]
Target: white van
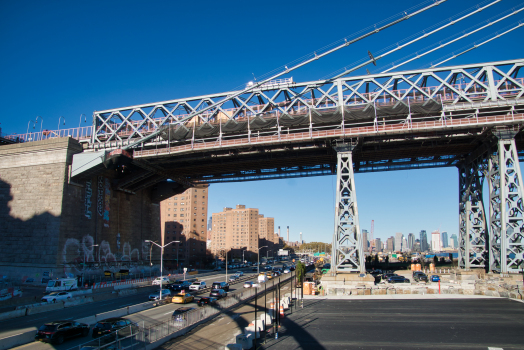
[60, 284]
[262, 278]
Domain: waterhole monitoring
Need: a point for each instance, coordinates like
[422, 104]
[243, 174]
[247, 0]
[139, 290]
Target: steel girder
[494, 81]
[506, 193]
[473, 237]
[348, 249]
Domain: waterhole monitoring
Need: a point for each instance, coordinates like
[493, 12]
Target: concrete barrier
[115, 313]
[140, 307]
[127, 292]
[91, 320]
[44, 308]
[78, 301]
[12, 314]
[17, 339]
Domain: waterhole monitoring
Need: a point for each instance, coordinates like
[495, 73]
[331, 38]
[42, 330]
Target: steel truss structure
[506, 194]
[473, 234]
[275, 109]
[348, 249]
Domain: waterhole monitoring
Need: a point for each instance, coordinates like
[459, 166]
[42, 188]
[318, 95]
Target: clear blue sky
[65, 58]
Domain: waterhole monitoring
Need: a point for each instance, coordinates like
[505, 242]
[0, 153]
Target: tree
[300, 271]
[435, 259]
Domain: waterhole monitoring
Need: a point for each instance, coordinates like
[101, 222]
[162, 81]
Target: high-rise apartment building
[423, 241]
[444, 238]
[266, 234]
[235, 231]
[183, 218]
[398, 241]
[411, 241]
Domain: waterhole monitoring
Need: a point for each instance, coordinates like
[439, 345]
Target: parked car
[398, 279]
[112, 325]
[435, 278]
[155, 295]
[179, 313]
[183, 298]
[56, 296]
[57, 331]
[420, 277]
[218, 293]
[198, 286]
[160, 280]
[221, 285]
[207, 301]
[248, 284]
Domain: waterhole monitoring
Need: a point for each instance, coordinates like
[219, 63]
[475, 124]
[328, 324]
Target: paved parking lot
[403, 324]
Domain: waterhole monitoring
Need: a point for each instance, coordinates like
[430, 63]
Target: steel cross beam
[348, 250]
[506, 194]
[446, 86]
[473, 237]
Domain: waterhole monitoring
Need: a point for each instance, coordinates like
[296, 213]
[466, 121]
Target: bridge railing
[82, 133]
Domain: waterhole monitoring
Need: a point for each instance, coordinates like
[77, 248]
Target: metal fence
[143, 335]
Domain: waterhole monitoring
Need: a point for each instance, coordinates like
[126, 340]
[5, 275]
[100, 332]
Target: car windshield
[48, 328]
[54, 293]
[196, 283]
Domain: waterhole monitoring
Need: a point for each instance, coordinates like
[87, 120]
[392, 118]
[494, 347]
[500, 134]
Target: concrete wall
[49, 226]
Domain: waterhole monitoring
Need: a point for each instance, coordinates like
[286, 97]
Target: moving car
[240, 273]
[435, 278]
[179, 314]
[183, 298]
[157, 281]
[198, 286]
[220, 285]
[112, 325]
[207, 301]
[233, 278]
[218, 293]
[57, 331]
[287, 270]
[165, 293]
[62, 284]
[56, 296]
[262, 278]
[248, 284]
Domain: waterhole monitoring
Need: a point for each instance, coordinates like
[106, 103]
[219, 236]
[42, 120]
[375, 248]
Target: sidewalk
[396, 296]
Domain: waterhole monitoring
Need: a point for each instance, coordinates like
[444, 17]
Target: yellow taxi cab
[269, 275]
[183, 298]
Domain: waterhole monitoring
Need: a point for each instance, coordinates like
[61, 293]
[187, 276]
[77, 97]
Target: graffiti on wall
[77, 255]
[107, 201]
[87, 201]
[100, 196]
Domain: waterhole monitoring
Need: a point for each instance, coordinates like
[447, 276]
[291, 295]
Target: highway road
[150, 316]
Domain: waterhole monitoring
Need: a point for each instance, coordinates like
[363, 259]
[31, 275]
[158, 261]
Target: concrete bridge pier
[348, 251]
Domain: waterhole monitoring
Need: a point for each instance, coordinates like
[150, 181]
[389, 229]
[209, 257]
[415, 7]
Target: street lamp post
[41, 124]
[161, 262]
[258, 259]
[177, 269]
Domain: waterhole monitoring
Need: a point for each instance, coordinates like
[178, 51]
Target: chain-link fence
[139, 336]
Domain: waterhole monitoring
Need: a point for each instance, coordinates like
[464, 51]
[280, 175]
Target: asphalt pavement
[403, 324]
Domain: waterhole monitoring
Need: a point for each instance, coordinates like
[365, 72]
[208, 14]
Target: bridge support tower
[506, 194]
[347, 249]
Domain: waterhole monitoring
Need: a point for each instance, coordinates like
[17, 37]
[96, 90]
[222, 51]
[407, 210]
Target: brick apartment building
[183, 218]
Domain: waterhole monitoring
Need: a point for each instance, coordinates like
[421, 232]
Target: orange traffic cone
[281, 311]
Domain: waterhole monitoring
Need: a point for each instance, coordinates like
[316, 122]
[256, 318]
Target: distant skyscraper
[398, 241]
[423, 241]
[404, 244]
[365, 239]
[378, 245]
[390, 244]
[436, 244]
[454, 239]
[416, 246]
[411, 241]
[444, 237]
